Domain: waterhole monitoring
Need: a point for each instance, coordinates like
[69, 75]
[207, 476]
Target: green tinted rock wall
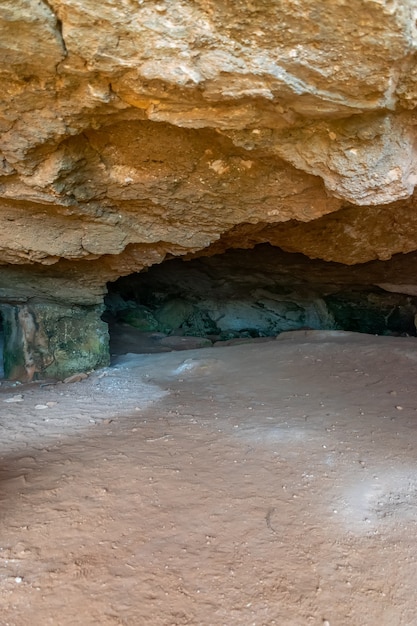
[50, 340]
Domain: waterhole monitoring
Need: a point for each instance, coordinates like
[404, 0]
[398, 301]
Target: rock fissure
[59, 29]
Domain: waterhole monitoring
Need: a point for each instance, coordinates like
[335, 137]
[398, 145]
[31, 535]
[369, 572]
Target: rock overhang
[131, 132]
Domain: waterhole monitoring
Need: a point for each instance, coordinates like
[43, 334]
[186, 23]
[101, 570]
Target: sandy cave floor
[264, 484]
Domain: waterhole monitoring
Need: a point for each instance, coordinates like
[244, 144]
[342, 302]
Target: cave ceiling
[134, 131]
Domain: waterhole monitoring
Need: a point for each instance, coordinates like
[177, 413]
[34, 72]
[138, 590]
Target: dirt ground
[253, 485]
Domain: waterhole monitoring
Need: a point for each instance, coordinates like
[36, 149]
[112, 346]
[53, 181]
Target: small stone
[139, 317]
[75, 378]
[399, 408]
[49, 404]
[41, 406]
[17, 398]
[18, 579]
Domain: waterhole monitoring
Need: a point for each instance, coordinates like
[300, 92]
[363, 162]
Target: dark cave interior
[246, 294]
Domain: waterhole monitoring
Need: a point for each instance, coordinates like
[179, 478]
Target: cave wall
[133, 131]
[262, 292]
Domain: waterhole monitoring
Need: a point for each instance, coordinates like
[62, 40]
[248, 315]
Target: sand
[253, 485]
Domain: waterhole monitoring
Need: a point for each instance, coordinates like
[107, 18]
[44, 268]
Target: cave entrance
[251, 295]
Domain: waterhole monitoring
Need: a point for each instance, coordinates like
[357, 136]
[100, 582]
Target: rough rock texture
[134, 130]
[53, 339]
[264, 292]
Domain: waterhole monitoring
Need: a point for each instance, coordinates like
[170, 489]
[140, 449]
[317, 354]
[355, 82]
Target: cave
[128, 160]
[243, 295]
[208, 312]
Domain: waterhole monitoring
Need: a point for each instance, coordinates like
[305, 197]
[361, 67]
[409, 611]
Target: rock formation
[133, 130]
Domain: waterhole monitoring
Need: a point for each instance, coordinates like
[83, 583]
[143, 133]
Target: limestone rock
[134, 131]
[264, 292]
[111, 117]
[49, 340]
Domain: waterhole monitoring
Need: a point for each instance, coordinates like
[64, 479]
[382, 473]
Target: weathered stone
[350, 236]
[51, 340]
[376, 313]
[368, 160]
[139, 317]
[130, 132]
[89, 169]
[250, 293]
[173, 313]
[201, 323]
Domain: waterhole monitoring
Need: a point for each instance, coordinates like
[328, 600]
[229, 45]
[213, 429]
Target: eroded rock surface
[135, 130]
[260, 293]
